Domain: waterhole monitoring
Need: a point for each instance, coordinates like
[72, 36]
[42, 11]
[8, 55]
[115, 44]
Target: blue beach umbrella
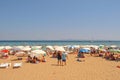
[84, 50]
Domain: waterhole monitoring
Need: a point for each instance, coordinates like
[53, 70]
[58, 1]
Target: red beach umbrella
[5, 51]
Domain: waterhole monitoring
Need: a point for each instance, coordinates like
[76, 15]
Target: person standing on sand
[64, 56]
[59, 57]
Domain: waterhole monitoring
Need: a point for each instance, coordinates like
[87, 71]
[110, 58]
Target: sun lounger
[16, 65]
[5, 65]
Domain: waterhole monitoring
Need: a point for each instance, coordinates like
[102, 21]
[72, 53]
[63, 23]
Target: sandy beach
[93, 68]
[37, 35]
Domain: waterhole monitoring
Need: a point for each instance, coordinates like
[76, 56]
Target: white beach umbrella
[15, 48]
[7, 47]
[59, 49]
[27, 46]
[76, 46]
[37, 53]
[50, 47]
[26, 49]
[113, 46]
[20, 47]
[70, 46]
[55, 47]
[36, 47]
[20, 54]
[94, 46]
[1, 47]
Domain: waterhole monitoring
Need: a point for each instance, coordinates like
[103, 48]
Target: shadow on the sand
[2, 67]
[53, 57]
[14, 60]
[54, 64]
[78, 60]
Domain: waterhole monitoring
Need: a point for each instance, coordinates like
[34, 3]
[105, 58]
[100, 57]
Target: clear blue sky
[59, 19]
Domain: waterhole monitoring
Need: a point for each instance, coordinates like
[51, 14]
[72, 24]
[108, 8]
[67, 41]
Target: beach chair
[5, 65]
[17, 65]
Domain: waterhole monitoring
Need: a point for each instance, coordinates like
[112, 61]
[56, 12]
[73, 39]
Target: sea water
[57, 42]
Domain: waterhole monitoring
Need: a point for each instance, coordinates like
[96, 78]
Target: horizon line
[59, 40]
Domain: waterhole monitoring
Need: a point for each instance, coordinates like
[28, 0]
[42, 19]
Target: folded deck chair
[16, 65]
[5, 65]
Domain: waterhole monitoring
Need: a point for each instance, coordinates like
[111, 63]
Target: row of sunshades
[15, 65]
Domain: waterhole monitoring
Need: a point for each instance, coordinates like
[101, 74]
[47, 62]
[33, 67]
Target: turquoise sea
[57, 42]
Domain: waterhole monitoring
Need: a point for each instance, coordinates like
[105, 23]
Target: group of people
[35, 59]
[61, 57]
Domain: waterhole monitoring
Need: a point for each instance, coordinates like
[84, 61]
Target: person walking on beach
[59, 57]
[64, 56]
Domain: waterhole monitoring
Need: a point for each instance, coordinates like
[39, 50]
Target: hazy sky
[59, 19]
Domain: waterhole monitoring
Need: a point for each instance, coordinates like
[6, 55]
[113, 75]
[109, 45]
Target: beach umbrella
[71, 47]
[101, 46]
[38, 52]
[50, 47]
[1, 47]
[113, 46]
[84, 50]
[94, 46]
[20, 47]
[76, 46]
[55, 46]
[59, 49]
[36, 47]
[27, 46]
[104, 50]
[7, 47]
[5, 51]
[115, 50]
[26, 49]
[16, 49]
[118, 51]
[20, 54]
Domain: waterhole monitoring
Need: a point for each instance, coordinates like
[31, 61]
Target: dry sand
[93, 68]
